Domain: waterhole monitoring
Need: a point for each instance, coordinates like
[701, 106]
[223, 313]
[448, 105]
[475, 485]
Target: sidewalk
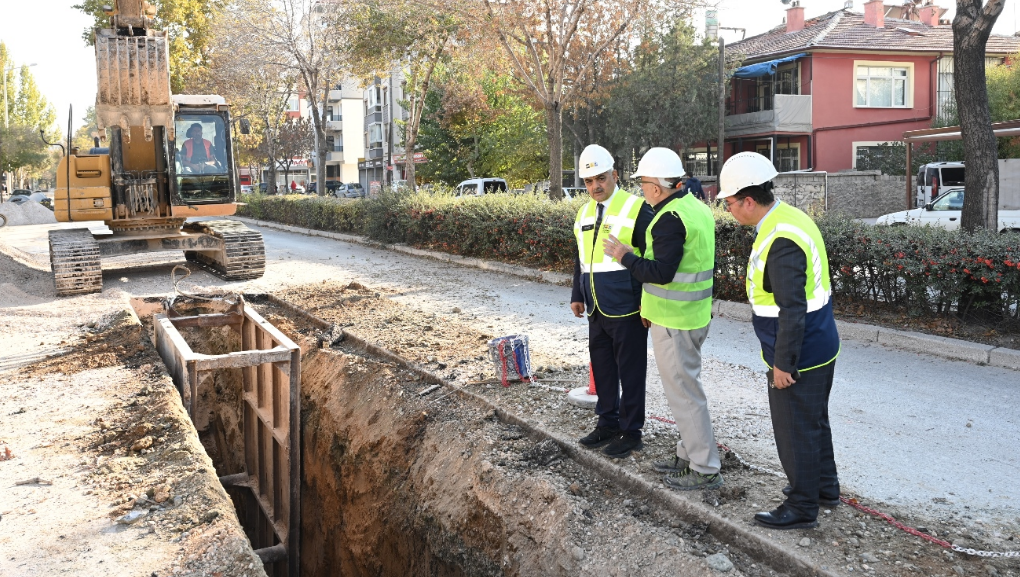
[942, 347]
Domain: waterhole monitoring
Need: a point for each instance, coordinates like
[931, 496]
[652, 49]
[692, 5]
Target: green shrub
[919, 271]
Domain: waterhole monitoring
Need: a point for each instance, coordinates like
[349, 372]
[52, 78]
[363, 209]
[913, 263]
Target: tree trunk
[271, 149]
[320, 162]
[554, 129]
[409, 141]
[971, 28]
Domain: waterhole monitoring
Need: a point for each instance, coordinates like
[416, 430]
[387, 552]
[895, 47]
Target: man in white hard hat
[788, 287]
[605, 291]
[677, 268]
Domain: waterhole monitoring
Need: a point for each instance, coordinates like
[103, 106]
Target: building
[345, 129]
[383, 161]
[817, 93]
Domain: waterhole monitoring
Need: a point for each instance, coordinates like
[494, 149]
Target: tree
[295, 35]
[82, 138]
[254, 80]
[294, 141]
[482, 126]
[414, 36]
[552, 45]
[21, 149]
[187, 23]
[971, 28]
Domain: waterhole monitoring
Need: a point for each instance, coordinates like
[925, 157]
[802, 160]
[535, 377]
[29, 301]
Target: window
[700, 163]
[951, 201]
[375, 135]
[200, 158]
[787, 157]
[883, 85]
[373, 97]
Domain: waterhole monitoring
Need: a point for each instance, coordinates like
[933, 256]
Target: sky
[48, 33]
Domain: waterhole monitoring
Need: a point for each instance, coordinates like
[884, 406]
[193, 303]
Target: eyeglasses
[729, 205]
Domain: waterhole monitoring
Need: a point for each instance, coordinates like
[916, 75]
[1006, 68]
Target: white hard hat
[594, 161]
[660, 162]
[743, 170]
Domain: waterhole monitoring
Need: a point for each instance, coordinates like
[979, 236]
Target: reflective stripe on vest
[788, 222]
[619, 217]
[685, 303]
[188, 149]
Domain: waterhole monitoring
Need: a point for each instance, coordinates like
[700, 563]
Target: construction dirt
[400, 477]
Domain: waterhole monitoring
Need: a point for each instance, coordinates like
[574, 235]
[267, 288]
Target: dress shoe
[782, 518]
[823, 501]
[600, 436]
[623, 445]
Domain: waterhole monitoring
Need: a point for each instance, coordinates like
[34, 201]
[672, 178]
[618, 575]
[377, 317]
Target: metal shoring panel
[270, 366]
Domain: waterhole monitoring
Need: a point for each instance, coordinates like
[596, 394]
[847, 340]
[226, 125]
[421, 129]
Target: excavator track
[243, 256]
[74, 258]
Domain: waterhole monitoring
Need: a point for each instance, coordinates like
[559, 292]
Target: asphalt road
[929, 434]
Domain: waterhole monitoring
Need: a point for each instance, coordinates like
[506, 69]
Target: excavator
[168, 158]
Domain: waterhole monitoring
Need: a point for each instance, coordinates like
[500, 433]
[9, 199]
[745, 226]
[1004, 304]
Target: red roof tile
[844, 29]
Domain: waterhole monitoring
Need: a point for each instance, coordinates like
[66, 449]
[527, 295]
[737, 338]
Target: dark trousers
[619, 361]
[800, 420]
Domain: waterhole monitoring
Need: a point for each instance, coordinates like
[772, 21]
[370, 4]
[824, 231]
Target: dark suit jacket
[785, 277]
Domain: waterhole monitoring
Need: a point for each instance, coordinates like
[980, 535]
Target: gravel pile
[26, 213]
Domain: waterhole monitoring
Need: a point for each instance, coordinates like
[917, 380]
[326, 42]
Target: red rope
[853, 502]
[502, 365]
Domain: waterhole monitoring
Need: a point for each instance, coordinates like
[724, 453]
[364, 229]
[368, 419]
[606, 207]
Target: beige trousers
[678, 356]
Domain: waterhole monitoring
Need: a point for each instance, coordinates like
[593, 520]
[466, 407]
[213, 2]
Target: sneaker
[622, 446]
[600, 436]
[688, 479]
[674, 465]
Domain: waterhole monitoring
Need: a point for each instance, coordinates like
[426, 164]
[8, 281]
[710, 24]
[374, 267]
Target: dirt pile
[132, 489]
[26, 213]
[847, 542]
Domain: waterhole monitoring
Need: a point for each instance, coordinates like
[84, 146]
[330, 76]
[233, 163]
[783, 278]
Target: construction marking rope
[853, 502]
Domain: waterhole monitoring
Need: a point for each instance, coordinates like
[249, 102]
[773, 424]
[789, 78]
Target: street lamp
[6, 119]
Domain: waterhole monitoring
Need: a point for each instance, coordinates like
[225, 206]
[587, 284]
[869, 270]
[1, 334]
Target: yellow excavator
[167, 158]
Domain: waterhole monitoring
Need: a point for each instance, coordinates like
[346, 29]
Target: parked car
[350, 190]
[574, 191]
[23, 196]
[945, 212]
[312, 188]
[264, 188]
[480, 186]
[247, 189]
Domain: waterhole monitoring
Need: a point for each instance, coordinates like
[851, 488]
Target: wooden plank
[242, 359]
[266, 419]
[276, 334]
[212, 320]
[293, 540]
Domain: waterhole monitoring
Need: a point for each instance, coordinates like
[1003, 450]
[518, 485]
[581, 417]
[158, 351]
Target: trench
[385, 488]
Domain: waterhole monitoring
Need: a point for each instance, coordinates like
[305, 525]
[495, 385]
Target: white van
[935, 178]
[480, 186]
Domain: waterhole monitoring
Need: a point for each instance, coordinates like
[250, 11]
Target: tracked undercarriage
[226, 248]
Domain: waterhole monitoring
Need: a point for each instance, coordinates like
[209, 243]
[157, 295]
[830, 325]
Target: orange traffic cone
[591, 381]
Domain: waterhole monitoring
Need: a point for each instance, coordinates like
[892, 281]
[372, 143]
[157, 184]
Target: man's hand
[614, 248]
[781, 379]
[577, 309]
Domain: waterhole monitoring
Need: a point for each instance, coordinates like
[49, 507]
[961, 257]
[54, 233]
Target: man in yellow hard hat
[677, 269]
[605, 292]
[788, 287]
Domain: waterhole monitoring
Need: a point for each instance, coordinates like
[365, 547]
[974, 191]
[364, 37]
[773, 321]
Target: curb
[936, 346]
[726, 530]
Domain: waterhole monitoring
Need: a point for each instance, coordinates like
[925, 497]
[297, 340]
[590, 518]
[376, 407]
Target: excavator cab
[203, 158]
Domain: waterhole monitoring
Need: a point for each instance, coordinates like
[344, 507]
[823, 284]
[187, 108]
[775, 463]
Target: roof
[844, 29]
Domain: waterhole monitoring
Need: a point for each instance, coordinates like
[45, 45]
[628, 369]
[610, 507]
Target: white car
[480, 186]
[945, 212]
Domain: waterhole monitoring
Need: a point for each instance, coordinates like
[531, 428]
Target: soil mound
[26, 213]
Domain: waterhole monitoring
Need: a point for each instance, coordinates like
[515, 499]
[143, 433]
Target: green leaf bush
[924, 272]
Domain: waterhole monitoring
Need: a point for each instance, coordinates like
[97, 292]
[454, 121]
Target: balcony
[784, 113]
[335, 125]
[335, 156]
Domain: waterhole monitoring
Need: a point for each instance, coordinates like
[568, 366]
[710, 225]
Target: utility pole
[721, 143]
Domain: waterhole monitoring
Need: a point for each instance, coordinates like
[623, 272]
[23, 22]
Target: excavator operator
[197, 152]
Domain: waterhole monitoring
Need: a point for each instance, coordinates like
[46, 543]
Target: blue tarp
[764, 68]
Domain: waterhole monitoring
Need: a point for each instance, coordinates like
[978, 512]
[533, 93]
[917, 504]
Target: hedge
[918, 271]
